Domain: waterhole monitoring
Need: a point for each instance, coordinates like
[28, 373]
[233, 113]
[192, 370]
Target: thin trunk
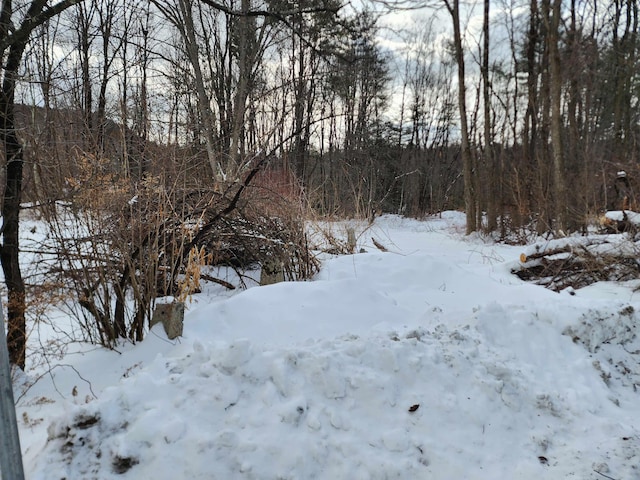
[470, 202]
[544, 154]
[189, 37]
[84, 41]
[493, 180]
[300, 84]
[530, 133]
[555, 91]
[575, 161]
[245, 35]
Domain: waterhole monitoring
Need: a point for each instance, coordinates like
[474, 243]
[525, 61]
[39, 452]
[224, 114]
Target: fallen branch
[605, 476]
[209, 278]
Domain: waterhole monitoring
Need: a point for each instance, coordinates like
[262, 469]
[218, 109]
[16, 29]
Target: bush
[118, 245]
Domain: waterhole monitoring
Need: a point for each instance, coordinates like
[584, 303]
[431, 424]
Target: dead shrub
[117, 245]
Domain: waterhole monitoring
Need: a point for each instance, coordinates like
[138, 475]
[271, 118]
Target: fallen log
[524, 258]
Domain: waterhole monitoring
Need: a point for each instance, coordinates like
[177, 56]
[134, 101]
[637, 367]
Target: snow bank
[488, 403]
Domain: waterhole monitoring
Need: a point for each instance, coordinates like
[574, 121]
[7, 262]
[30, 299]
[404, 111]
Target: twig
[49, 372]
[379, 246]
[605, 476]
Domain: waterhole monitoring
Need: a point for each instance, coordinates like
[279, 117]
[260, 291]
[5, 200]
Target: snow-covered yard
[427, 361]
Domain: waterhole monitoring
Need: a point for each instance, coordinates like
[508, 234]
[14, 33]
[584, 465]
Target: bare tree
[181, 15]
[470, 195]
[492, 178]
[551, 17]
[13, 41]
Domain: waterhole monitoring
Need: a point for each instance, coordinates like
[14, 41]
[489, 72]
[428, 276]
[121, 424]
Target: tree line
[522, 119]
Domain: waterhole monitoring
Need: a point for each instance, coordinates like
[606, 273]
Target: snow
[623, 215]
[430, 360]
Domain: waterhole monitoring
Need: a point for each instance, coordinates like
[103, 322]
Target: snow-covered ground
[429, 361]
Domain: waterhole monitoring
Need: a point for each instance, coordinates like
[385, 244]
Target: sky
[430, 360]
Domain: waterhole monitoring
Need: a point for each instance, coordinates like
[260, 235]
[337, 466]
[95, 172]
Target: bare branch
[280, 15]
[33, 19]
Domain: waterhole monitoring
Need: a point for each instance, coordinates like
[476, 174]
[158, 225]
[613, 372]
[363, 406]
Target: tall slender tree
[13, 42]
[470, 195]
[552, 20]
[491, 178]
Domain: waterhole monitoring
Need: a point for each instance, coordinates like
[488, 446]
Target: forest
[156, 137]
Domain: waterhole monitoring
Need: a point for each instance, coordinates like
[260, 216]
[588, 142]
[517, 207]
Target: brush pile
[576, 262]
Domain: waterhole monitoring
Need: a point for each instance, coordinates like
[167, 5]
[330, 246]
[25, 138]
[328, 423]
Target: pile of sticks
[580, 261]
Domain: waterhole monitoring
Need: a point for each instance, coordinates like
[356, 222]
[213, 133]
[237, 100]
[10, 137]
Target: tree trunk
[189, 37]
[470, 201]
[9, 251]
[245, 66]
[530, 131]
[84, 17]
[555, 91]
[16, 306]
[493, 179]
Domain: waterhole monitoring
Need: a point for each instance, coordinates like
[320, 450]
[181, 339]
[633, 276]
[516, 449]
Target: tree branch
[281, 17]
[268, 13]
[34, 18]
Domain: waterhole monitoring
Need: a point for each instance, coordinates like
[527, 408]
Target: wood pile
[580, 261]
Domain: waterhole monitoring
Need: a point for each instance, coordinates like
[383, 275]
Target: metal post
[10, 454]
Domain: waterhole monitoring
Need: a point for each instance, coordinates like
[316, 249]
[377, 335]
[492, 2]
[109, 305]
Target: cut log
[524, 258]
